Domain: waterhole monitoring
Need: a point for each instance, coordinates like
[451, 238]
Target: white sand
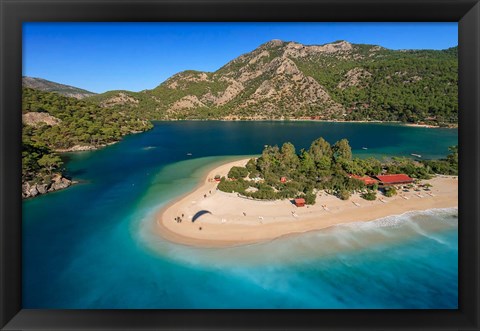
[226, 225]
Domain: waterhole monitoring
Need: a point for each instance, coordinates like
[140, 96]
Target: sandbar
[225, 219]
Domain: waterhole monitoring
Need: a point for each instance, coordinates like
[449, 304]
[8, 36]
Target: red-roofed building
[394, 179]
[283, 179]
[300, 202]
[365, 179]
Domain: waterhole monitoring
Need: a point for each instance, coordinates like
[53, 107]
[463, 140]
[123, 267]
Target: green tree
[230, 186]
[369, 195]
[238, 172]
[251, 166]
[319, 149]
[307, 164]
[342, 150]
[270, 159]
[310, 198]
[343, 194]
[289, 158]
[390, 191]
[50, 162]
[452, 158]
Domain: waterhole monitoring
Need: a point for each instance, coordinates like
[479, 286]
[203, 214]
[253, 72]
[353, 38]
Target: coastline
[253, 119]
[42, 189]
[30, 191]
[88, 148]
[84, 148]
[223, 223]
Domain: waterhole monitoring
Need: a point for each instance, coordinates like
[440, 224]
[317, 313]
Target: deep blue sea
[92, 246]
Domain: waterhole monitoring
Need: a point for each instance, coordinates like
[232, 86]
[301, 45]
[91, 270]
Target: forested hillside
[54, 123]
[278, 80]
[337, 81]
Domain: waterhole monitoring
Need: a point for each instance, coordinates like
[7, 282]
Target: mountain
[287, 80]
[278, 80]
[48, 86]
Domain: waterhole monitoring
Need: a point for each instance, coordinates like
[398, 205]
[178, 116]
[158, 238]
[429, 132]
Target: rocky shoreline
[83, 148]
[58, 182]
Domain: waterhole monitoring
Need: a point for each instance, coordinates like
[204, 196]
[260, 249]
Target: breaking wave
[313, 245]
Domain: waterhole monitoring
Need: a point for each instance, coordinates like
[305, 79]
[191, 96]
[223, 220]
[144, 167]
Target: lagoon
[90, 246]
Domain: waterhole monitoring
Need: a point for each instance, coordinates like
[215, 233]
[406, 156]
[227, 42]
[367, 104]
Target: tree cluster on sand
[281, 173]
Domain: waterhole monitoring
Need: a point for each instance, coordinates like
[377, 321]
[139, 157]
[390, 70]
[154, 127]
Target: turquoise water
[91, 246]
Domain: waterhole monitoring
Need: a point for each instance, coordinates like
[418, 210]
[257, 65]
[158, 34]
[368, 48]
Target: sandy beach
[225, 219]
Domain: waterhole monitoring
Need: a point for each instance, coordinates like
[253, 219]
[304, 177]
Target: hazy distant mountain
[339, 80]
[48, 86]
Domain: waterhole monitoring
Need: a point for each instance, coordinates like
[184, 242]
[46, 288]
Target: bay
[91, 245]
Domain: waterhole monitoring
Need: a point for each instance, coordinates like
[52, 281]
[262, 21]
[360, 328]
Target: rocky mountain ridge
[289, 80]
[48, 86]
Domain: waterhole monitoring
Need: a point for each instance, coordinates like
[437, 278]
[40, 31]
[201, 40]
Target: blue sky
[135, 56]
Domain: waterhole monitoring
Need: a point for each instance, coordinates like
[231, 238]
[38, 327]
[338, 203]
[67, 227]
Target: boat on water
[417, 155]
[189, 154]
[364, 148]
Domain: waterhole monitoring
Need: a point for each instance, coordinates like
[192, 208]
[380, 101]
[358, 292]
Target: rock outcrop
[37, 119]
[120, 98]
[355, 77]
[266, 80]
[187, 102]
[57, 182]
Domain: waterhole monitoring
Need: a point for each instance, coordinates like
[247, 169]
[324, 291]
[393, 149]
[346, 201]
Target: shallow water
[91, 246]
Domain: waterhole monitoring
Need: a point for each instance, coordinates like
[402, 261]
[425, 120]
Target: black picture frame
[15, 12]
